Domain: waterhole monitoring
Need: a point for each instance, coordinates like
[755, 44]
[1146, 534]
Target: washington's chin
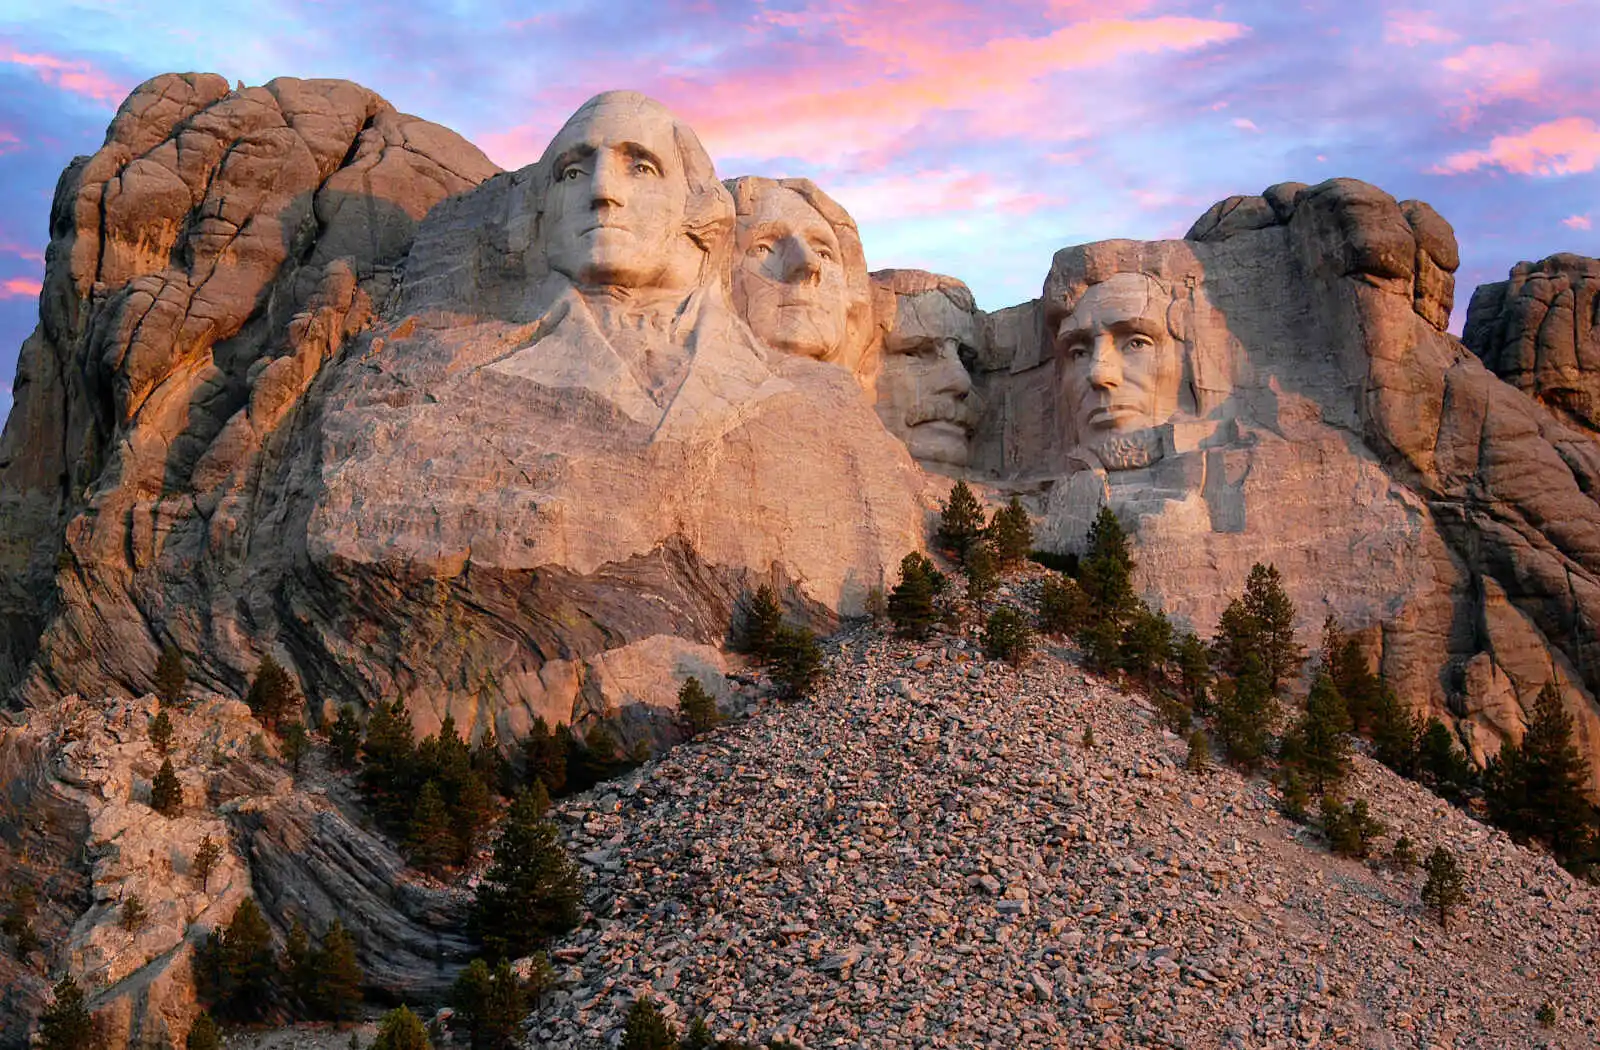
[939, 441]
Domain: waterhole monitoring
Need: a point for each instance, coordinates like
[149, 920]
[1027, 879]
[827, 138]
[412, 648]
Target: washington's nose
[801, 263]
[1105, 364]
[608, 185]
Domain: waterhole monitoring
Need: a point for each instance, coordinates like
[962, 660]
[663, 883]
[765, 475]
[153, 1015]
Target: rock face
[81, 772]
[1279, 387]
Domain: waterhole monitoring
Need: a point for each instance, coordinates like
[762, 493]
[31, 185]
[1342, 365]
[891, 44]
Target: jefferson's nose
[801, 263]
[951, 377]
[1105, 363]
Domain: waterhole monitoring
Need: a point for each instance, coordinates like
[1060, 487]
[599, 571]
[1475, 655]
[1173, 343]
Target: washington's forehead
[618, 124]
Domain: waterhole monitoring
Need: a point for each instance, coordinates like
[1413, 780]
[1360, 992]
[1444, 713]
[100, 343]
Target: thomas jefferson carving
[799, 275]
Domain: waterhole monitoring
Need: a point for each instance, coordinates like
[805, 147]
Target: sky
[970, 138]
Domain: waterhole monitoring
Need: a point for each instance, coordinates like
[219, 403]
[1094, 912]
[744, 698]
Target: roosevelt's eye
[644, 167]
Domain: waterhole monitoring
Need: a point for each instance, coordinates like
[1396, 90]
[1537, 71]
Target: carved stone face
[1122, 365]
[924, 392]
[788, 276]
[614, 210]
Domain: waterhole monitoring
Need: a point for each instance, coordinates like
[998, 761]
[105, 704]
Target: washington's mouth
[953, 416]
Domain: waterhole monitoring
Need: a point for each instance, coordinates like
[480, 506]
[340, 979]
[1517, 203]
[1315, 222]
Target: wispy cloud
[69, 74]
[20, 288]
[1578, 222]
[1411, 28]
[1569, 146]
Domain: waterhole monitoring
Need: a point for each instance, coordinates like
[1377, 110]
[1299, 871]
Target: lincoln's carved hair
[708, 213]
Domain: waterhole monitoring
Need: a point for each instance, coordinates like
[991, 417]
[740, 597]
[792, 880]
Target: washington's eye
[570, 173]
[644, 167]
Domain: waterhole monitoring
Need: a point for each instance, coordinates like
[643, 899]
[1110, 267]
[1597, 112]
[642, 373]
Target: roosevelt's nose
[1105, 363]
[801, 263]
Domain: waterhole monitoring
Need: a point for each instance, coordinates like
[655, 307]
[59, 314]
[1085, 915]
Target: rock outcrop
[1313, 412]
[79, 776]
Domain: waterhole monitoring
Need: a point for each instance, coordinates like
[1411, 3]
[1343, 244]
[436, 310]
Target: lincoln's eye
[1077, 350]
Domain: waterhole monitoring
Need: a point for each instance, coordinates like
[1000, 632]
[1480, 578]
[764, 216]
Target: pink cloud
[20, 288]
[1569, 146]
[8, 139]
[1487, 73]
[934, 193]
[1244, 124]
[1410, 28]
[886, 77]
[74, 75]
[33, 255]
[1578, 222]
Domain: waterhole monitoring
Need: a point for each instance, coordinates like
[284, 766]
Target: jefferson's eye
[1141, 342]
[760, 251]
[825, 253]
[644, 167]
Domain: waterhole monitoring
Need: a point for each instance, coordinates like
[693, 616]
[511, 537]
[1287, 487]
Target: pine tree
[1296, 799]
[1446, 887]
[1351, 828]
[983, 575]
[1146, 643]
[761, 623]
[1396, 733]
[388, 765]
[1199, 759]
[271, 696]
[1537, 789]
[296, 745]
[339, 975]
[1442, 764]
[1320, 743]
[206, 856]
[1266, 603]
[1194, 671]
[430, 838]
[960, 521]
[1006, 636]
[646, 1029]
[1403, 854]
[203, 1034]
[1063, 607]
[544, 757]
[698, 1037]
[298, 971]
[133, 914]
[1106, 571]
[489, 764]
[171, 677]
[471, 814]
[65, 1023]
[1011, 534]
[344, 737]
[1342, 660]
[696, 707]
[1244, 713]
[490, 1005]
[161, 732]
[911, 601]
[1237, 636]
[401, 1029]
[531, 891]
[166, 794]
[797, 665]
[238, 968]
[1101, 642]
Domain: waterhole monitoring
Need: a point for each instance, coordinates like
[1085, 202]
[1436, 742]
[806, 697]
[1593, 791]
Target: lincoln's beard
[1128, 451]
